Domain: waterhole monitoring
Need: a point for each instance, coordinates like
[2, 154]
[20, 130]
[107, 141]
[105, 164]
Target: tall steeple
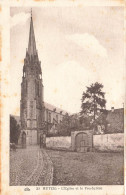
[32, 65]
[32, 106]
[32, 44]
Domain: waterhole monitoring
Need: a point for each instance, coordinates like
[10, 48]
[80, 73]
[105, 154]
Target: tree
[85, 121]
[14, 130]
[64, 128]
[93, 100]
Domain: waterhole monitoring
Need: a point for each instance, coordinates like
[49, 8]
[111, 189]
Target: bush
[14, 130]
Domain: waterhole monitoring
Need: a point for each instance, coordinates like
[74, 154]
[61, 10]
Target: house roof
[54, 108]
[115, 121]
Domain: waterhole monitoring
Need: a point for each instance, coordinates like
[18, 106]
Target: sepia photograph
[67, 96]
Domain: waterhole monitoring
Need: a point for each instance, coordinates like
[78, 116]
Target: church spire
[32, 44]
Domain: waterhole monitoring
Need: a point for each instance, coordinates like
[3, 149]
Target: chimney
[112, 109]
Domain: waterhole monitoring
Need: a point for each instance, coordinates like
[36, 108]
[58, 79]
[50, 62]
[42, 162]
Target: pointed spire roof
[32, 44]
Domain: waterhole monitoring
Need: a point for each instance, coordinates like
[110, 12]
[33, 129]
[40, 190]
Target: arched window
[49, 117]
[26, 86]
[37, 88]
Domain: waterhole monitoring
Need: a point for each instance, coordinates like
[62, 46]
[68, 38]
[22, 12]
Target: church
[36, 117]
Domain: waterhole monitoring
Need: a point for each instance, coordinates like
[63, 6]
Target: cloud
[19, 19]
[89, 43]
[65, 85]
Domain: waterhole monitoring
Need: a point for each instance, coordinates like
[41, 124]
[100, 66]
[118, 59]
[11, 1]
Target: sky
[77, 46]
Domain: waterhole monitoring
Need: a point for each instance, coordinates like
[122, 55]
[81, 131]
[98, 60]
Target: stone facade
[53, 116]
[32, 104]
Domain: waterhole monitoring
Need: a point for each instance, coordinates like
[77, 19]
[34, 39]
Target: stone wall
[109, 142]
[106, 142]
[58, 142]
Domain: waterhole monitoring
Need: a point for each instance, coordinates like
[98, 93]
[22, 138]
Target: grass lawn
[72, 168]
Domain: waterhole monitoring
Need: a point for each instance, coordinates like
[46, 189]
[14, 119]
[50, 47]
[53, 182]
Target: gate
[42, 140]
[23, 140]
[81, 142]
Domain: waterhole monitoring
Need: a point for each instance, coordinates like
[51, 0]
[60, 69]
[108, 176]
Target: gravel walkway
[31, 166]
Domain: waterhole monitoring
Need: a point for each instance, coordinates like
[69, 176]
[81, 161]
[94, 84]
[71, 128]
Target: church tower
[31, 104]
